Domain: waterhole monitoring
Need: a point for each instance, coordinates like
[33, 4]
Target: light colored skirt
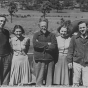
[20, 70]
[61, 75]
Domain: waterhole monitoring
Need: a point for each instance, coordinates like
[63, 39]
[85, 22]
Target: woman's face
[18, 32]
[63, 32]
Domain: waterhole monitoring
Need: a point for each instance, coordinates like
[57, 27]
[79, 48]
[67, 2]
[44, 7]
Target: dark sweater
[41, 49]
[4, 43]
[78, 50]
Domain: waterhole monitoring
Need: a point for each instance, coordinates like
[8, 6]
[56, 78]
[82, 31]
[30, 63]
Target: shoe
[75, 85]
[20, 84]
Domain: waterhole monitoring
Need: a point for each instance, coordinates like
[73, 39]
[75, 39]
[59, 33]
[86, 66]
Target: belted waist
[19, 53]
[63, 51]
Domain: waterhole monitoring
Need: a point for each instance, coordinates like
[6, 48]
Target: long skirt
[20, 70]
[61, 75]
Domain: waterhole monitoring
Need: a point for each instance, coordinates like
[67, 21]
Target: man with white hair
[44, 43]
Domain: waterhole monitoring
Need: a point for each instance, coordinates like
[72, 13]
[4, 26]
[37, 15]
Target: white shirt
[63, 44]
[17, 45]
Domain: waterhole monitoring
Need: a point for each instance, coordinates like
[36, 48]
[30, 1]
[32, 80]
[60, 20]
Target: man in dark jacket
[44, 44]
[5, 50]
[78, 53]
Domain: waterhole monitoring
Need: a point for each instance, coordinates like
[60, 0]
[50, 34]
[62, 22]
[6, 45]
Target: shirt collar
[84, 37]
[41, 33]
[79, 35]
[20, 38]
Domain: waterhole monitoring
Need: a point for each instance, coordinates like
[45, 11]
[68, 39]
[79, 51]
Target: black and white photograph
[44, 43]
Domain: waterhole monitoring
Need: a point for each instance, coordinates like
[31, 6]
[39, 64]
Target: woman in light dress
[61, 76]
[20, 69]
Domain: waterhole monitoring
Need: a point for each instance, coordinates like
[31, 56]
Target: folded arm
[38, 44]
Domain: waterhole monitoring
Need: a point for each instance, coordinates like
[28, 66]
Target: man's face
[2, 22]
[43, 26]
[82, 28]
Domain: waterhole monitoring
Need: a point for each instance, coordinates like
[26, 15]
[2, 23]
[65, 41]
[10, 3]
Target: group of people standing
[53, 56]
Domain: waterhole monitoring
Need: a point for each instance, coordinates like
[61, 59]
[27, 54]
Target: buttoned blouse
[19, 46]
[63, 44]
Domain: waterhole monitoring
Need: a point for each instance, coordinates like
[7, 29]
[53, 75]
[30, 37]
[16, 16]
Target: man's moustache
[44, 29]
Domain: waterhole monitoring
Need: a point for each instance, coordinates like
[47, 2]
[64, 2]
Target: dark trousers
[5, 67]
[44, 72]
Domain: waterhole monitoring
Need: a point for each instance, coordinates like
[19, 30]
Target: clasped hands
[70, 65]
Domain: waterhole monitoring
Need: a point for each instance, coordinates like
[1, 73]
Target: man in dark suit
[45, 44]
[5, 53]
[78, 54]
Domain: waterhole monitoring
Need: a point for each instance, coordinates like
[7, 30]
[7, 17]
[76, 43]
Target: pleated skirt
[20, 70]
[61, 75]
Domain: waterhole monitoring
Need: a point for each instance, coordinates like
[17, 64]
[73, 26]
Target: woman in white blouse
[20, 69]
[61, 76]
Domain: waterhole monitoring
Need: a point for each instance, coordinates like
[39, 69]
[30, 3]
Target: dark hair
[18, 26]
[81, 22]
[63, 27]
